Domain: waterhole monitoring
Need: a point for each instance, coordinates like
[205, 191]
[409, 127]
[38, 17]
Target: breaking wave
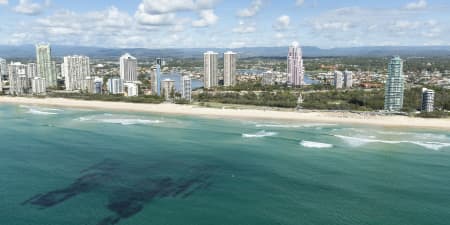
[311, 144]
[308, 125]
[126, 121]
[360, 141]
[260, 134]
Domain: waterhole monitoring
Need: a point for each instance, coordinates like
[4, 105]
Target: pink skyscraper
[295, 68]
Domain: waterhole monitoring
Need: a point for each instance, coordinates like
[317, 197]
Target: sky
[225, 23]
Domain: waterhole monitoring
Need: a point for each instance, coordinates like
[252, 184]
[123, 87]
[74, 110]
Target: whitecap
[38, 112]
[260, 134]
[126, 121]
[308, 125]
[311, 144]
[359, 141]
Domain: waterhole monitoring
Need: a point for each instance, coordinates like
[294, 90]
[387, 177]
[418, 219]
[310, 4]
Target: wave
[260, 134]
[126, 121]
[294, 125]
[311, 144]
[359, 141]
[38, 112]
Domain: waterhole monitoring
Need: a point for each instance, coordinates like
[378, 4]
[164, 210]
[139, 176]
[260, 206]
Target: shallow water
[65, 166]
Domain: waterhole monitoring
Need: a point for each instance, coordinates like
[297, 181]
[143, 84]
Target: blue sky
[225, 23]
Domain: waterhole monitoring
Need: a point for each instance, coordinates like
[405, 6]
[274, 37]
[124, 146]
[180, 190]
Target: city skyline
[227, 24]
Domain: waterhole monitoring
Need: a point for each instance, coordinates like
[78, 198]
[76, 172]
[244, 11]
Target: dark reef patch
[128, 195]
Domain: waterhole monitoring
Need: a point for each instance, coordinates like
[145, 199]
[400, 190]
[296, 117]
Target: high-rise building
[186, 87]
[32, 70]
[131, 89]
[295, 69]
[338, 79]
[348, 79]
[168, 88]
[115, 86]
[75, 69]
[19, 83]
[427, 100]
[393, 99]
[98, 86]
[45, 66]
[38, 86]
[229, 68]
[88, 85]
[128, 68]
[156, 78]
[3, 69]
[210, 70]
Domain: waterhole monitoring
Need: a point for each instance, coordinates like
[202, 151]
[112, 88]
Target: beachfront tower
[393, 99]
[210, 69]
[46, 68]
[75, 69]
[338, 79]
[168, 88]
[295, 69]
[186, 87]
[427, 100]
[348, 79]
[229, 68]
[128, 68]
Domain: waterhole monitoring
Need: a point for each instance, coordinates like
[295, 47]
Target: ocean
[84, 167]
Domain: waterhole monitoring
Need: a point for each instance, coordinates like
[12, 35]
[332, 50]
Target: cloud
[282, 23]
[3, 2]
[299, 2]
[419, 5]
[244, 28]
[207, 18]
[252, 10]
[28, 7]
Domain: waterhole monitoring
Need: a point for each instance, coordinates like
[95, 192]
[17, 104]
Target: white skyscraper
[131, 89]
[32, 70]
[3, 69]
[210, 69]
[186, 87]
[348, 79]
[46, 67]
[115, 86]
[295, 68]
[229, 68]
[38, 85]
[128, 68]
[19, 83]
[75, 69]
[427, 100]
[168, 87]
[338, 80]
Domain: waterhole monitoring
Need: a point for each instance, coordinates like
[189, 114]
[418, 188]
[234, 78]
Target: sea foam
[311, 144]
[360, 141]
[308, 125]
[260, 134]
[126, 121]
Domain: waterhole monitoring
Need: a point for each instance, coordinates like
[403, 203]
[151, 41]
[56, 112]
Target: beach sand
[258, 114]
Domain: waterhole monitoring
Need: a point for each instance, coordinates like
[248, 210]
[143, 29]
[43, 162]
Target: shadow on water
[126, 201]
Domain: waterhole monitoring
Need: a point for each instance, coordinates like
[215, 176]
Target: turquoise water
[83, 167]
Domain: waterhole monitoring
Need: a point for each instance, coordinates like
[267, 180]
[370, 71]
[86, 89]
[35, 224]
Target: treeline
[151, 99]
[281, 99]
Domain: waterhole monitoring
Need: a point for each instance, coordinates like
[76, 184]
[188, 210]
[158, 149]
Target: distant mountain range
[28, 51]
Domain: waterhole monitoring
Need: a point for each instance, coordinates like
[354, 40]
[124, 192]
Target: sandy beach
[270, 115]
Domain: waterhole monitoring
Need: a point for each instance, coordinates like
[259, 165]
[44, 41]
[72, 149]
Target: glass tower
[395, 85]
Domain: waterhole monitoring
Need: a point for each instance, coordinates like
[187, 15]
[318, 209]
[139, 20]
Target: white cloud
[207, 18]
[299, 2]
[421, 4]
[282, 23]
[244, 28]
[252, 10]
[3, 2]
[29, 7]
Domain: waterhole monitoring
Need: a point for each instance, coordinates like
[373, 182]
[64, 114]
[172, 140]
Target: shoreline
[259, 114]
